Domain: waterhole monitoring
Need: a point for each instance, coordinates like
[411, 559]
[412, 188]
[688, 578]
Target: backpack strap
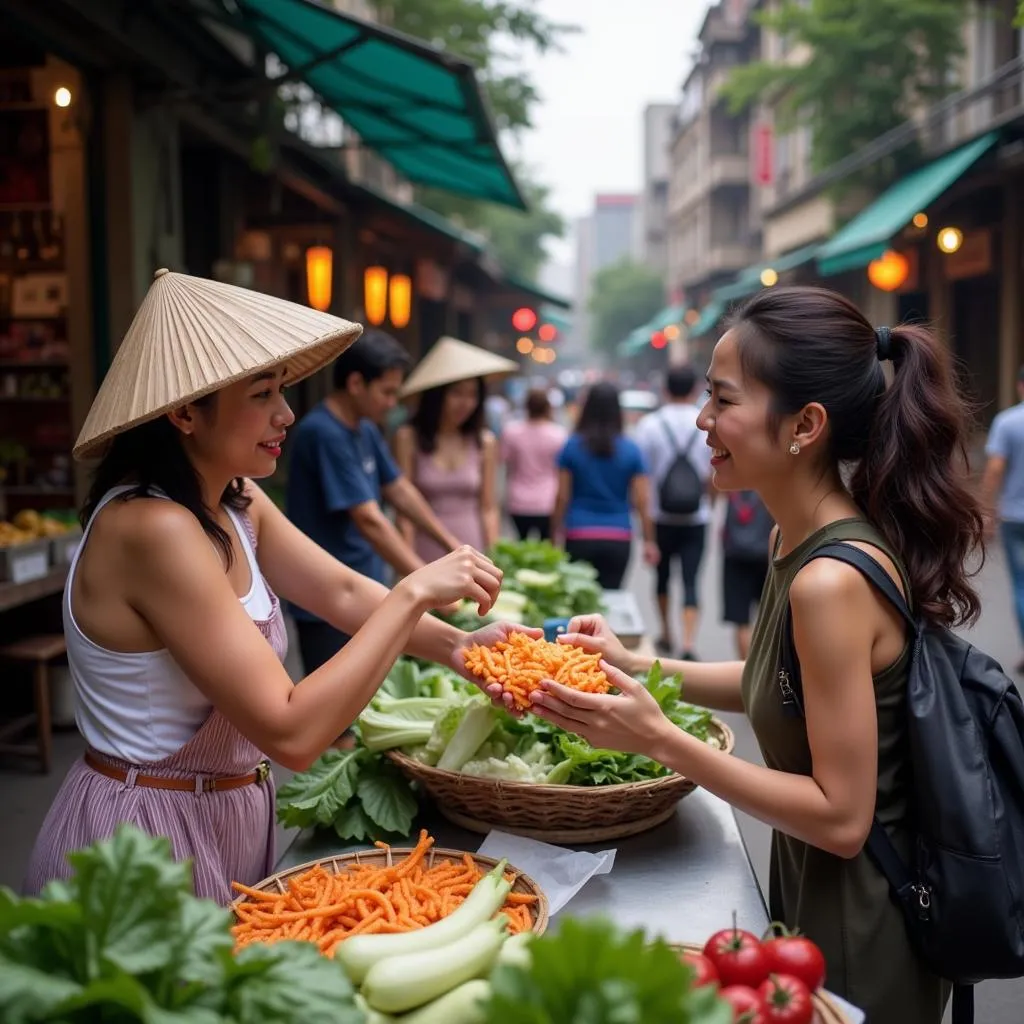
[673, 443]
[879, 845]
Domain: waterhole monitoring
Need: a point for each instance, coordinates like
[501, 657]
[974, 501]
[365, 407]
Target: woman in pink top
[449, 455]
[530, 450]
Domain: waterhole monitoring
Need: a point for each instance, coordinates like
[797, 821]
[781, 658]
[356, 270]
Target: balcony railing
[997, 101]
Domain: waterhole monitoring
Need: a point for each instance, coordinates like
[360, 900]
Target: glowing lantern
[672, 332]
[319, 262]
[524, 346]
[658, 339]
[547, 332]
[920, 220]
[949, 240]
[375, 294]
[524, 319]
[400, 299]
[769, 277]
[889, 271]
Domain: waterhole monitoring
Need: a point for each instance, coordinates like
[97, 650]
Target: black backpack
[962, 896]
[682, 489]
[748, 527]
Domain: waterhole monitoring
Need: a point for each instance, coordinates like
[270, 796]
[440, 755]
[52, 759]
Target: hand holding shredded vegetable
[519, 664]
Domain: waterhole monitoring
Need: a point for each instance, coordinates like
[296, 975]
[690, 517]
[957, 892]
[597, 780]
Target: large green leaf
[388, 802]
[317, 795]
[289, 981]
[31, 992]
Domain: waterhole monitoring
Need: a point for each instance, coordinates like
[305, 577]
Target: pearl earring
[794, 449]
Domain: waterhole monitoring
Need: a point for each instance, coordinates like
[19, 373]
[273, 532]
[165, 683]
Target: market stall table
[682, 880]
[14, 595]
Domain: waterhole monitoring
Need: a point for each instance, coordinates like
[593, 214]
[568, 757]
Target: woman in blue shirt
[601, 477]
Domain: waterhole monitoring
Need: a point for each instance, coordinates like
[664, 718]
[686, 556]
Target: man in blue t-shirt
[1003, 487]
[340, 471]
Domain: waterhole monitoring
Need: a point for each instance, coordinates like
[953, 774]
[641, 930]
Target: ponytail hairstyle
[905, 442]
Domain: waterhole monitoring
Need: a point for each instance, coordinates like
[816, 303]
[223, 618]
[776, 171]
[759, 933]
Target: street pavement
[998, 1002]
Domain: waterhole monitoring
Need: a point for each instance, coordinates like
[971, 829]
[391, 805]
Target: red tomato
[797, 956]
[747, 1005]
[787, 1000]
[703, 969]
[738, 957]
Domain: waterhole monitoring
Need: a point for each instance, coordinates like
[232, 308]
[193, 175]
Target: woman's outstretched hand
[629, 721]
[592, 633]
[465, 573]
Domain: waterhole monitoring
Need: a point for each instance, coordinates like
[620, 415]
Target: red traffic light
[524, 319]
[547, 332]
[658, 339]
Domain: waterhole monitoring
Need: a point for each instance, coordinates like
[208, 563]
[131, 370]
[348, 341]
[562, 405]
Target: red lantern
[658, 339]
[889, 271]
[547, 332]
[524, 319]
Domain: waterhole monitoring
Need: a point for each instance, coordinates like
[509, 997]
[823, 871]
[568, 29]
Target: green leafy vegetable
[125, 940]
[358, 793]
[590, 971]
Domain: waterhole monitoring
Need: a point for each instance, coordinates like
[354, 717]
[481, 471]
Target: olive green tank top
[842, 904]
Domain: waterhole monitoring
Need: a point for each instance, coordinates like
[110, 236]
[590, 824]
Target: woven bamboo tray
[826, 1011]
[555, 814]
[387, 856]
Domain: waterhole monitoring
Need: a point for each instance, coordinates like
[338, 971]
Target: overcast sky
[587, 137]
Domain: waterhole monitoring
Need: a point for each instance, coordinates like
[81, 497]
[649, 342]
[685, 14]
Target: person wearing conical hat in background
[340, 472]
[174, 631]
[446, 450]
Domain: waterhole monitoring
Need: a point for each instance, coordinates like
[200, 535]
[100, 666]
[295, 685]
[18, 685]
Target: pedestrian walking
[529, 453]
[1003, 490]
[446, 449]
[602, 478]
[799, 393]
[746, 536]
[679, 463]
[340, 474]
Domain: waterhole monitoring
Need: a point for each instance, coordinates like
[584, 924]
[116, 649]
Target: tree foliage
[493, 35]
[623, 296]
[870, 64]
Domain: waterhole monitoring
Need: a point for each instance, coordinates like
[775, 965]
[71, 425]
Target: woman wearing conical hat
[445, 449]
[174, 630]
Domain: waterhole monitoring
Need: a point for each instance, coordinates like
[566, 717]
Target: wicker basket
[556, 814]
[387, 856]
[826, 1010]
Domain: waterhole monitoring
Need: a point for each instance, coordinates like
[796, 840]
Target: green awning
[520, 284]
[870, 233]
[418, 107]
[748, 281]
[709, 317]
[666, 316]
[423, 217]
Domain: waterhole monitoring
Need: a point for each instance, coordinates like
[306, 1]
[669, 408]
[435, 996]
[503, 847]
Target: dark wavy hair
[151, 458]
[426, 421]
[600, 420]
[905, 443]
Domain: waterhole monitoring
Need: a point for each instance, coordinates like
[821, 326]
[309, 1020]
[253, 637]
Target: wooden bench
[37, 651]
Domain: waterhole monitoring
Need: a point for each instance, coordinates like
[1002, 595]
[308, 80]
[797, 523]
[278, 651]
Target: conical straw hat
[451, 360]
[192, 336]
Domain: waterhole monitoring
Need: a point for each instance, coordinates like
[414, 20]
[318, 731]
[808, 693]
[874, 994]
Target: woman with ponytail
[850, 433]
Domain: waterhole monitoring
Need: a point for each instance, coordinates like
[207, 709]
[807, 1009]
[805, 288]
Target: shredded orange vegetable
[521, 662]
[326, 908]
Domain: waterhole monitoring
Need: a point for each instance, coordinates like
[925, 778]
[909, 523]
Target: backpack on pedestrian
[962, 894]
[682, 489]
[747, 529]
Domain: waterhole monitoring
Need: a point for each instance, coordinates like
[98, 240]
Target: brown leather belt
[195, 784]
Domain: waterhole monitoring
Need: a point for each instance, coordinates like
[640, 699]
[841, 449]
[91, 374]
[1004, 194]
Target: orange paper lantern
[375, 294]
[400, 299]
[319, 264]
[889, 271]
